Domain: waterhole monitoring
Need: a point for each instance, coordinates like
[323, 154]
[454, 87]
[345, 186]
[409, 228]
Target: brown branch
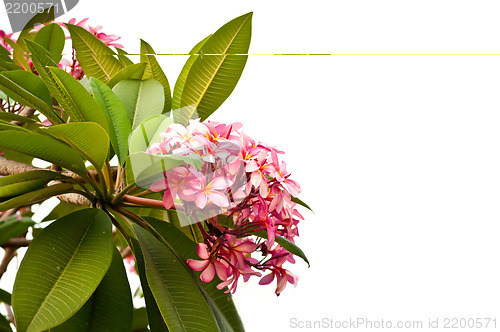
[126, 252]
[16, 242]
[10, 315]
[9, 254]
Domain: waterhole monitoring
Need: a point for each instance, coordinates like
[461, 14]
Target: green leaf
[300, 202]
[4, 125]
[116, 116]
[43, 147]
[51, 37]
[89, 139]
[36, 196]
[72, 254]
[140, 319]
[96, 58]
[122, 57]
[286, 244]
[153, 70]
[213, 76]
[156, 322]
[220, 302]
[82, 107]
[16, 156]
[132, 72]
[109, 308]
[4, 324]
[62, 209]
[13, 227]
[142, 99]
[148, 132]
[21, 183]
[29, 90]
[170, 286]
[181, 80]
[14, 117]
[5, 296]
[18, 54]
[45, 16]
[7, 65]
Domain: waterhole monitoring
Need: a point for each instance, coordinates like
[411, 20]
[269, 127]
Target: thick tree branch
[16, 242]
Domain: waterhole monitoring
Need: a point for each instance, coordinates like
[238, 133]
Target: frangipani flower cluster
[244, 193]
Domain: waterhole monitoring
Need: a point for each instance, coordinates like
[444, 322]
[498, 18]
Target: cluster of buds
[243, 192]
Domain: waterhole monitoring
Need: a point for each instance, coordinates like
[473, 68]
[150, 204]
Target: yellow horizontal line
[330, 54]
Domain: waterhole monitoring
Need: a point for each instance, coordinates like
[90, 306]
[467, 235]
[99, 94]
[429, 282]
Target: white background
[398, 155]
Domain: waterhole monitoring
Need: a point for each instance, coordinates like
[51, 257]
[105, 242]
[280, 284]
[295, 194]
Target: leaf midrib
[220, 64]
[92, 54]
[63, 271]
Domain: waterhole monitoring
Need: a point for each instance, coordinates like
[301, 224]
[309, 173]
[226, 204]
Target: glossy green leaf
[109, 308]
[43, 147]
[300, 202]
[18, 53]
[45, 16]
[5, 296]
[181, 80]
[82, 107]
[4, 54]
[72, 254]
[153, 70]
[28, 89]
[156, 322]
[13, 227]
[51, 37]
[213, 76]
[122, 56]
[142, 99]
[286, 244]
[148, 132]
[14, 117]
[220, 302]
[7, 65]
[140, 319]
[21, 183]
[62, 209]
[132, 72]
[96, 58]
[170, 286]
[89, 139]
[4, 125]
[116, 116]
[4, 324]
[36, 196]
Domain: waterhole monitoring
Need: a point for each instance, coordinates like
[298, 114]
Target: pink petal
[218, 199]
[220, 183]
[168, 199]
[293, 187]
[159, 185]
[208, 274]
[264, 188]
[266, 280]
[252, 166]
[202, 251]
[256, 178]
[200, 200]
[197, 265]
[222, 270]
